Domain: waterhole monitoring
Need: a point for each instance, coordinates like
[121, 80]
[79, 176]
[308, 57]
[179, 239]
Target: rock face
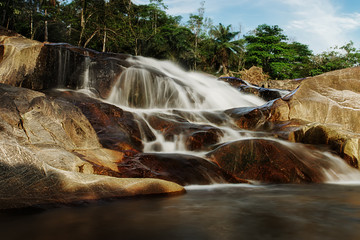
[265, 93]
[59, 146]
[39, 66]
[323, 110]
[50, 153]
[180, 168]
[196, 137]
[269, 161]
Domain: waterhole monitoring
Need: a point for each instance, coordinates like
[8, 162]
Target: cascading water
[63, 66]
[156, 84]
[151, 88]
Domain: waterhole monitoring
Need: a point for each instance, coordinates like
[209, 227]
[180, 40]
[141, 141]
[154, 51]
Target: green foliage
[268, 47]
[338, 58]
[224, 46]
[122, 26]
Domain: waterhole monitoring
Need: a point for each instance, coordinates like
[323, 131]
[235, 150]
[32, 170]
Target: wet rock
[331, 100]
[50, 153]
[116, 129]
[179, 168]
[346, 144]
[269, 161]
[197, 137]
[25, 180]
[39, 66]
[265, 93]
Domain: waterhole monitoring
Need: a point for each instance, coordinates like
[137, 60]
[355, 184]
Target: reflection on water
[321, 211]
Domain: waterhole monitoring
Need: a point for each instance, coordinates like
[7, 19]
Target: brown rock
[179, 168]
[345, 143]
[331, 100]
[39, 66]
[197, 137]
[50, 153]
[116, 129]
[26, 180]
[269, 161]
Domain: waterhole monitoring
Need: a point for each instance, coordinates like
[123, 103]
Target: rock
[18, 57]
[197, 137]
[180, 168]
[39, 66]
[331, 100]
[40, 120]
[346, 144]
[25, 180]
[265, 93]
[269, 161]
[290, 84]
[50, 153]
[116, 129]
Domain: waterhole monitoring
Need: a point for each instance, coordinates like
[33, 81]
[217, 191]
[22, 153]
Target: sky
[320, 24]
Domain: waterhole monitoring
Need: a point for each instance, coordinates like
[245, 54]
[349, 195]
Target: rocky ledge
[60, 146]
[323, 110]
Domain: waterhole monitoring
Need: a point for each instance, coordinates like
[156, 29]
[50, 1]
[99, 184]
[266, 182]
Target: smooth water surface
[321, 211]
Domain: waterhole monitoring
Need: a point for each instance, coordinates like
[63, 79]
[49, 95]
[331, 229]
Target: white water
[63, 66]
[161, 84]
[160, 87]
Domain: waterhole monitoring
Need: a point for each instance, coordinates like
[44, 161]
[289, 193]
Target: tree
[46, 4]
[224, 47]
[337, 58]
[268, 47]
[195, 24]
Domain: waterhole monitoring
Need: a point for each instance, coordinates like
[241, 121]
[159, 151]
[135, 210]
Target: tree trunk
[91, 37]
[6, 14]
[104, 41]
[82, 21]
[136, 47]
[46, 27]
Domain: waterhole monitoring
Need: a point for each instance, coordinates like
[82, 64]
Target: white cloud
[320, 23]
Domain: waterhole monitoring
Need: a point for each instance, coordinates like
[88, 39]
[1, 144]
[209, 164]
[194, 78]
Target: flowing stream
[312, 212]
[150, 87]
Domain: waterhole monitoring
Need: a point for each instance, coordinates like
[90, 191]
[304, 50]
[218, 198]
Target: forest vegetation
[195, 43]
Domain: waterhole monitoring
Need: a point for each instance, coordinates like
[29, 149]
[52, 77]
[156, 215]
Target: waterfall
[63, 66]
[161, 91]
[161, 84]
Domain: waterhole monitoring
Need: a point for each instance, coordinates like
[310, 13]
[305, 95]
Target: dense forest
[195, 43]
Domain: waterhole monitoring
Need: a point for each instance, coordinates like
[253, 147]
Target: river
[315, 211]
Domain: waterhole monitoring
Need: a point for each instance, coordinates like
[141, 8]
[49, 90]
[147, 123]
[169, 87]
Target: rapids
[150, 87]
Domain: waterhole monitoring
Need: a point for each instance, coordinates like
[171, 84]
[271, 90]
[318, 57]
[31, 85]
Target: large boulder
[26, 180]
[271, 161]
[116, 128]
[38, 66]
[331, 100]
[180, 168]
[49, 153]
[196, 137]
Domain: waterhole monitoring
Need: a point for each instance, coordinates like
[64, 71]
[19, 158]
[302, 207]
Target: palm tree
[224, 46]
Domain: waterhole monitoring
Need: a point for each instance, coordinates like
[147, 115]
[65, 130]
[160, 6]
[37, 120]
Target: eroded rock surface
[49, 153]
[270, 161]
[331, 100]
[38, 66]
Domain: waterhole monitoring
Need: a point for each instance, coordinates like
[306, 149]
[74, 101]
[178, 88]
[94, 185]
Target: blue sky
[321, 24]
